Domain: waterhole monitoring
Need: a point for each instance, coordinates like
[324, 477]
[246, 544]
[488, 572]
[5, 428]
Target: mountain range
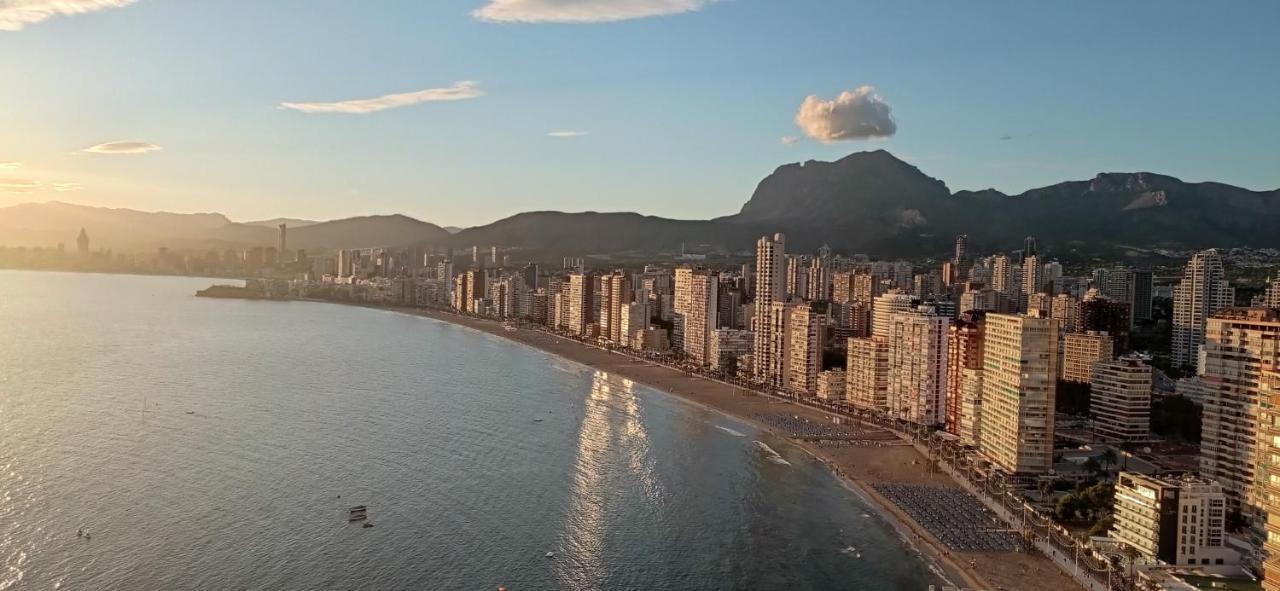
[866, 202]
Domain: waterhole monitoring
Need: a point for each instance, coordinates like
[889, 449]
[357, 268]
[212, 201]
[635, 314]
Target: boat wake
[771, 455]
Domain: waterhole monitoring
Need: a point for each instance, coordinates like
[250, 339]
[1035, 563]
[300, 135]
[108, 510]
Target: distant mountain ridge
[866, 202]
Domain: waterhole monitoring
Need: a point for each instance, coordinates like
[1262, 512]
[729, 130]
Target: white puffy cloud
[122, 148]
[910, 218]
[17, 14]
[566, 133]
[854, 115]
[460, 91]
[788, 140]
[581, 11]
[18, 186]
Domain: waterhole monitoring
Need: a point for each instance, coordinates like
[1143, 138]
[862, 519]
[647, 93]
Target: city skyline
[412, 114]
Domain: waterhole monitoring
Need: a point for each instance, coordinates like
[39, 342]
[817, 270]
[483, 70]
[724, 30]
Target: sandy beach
[860, 466]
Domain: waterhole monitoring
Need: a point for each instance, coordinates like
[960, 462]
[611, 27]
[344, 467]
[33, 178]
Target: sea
[152, 440]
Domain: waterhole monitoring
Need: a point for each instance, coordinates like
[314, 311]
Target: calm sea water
[216, 444]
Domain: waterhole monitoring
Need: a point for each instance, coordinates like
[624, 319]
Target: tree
[1102, 526]
[1092, 465]
[1108, 458]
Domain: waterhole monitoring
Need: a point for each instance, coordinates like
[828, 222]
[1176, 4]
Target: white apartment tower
[1202, 291]
[770, 287]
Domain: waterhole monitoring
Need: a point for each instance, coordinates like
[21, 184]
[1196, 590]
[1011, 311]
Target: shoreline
[857, 468]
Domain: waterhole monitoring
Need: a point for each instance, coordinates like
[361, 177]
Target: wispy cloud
[123, 147]
[854, 115]
[10, 165]
[788, 140]
[567, 133]
[30, 186]
[18, 186]
[581, 11]
[467, 89]
[17, 14]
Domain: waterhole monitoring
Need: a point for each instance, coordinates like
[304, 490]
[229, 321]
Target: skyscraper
[1241, 344]
[1020, 372]
[918, 366]
[867, 374]
[284, 241]
[806, 326]
[960, 261]
[700, 315]
[885, 307]
[1029, 247]
[964, 352]
[82, 243]
[1202, 291]
[769, 288]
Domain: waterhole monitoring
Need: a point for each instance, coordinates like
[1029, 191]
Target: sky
[461, 112]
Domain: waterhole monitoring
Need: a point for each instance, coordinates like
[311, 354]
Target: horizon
[315, 220]
[681, 109]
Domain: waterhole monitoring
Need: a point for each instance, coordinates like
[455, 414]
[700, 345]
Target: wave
[772, 455]
[730, 431]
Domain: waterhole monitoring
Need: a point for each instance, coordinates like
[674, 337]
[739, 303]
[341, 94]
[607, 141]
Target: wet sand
[859, 466]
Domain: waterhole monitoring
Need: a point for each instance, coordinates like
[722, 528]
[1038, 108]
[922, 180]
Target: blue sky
[684, 113]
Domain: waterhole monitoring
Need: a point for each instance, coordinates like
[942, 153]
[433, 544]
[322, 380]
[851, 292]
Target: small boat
[367, 524]
[357, 513]
[537, 420]
[550, 554]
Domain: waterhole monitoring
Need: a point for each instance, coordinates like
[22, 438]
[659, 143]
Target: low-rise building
[1178, 521]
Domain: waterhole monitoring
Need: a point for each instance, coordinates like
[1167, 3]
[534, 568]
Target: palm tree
[1108, 458]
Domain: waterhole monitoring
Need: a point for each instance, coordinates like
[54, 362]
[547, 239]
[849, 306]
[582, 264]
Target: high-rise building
[1020, 372]
[1120, 399]
[1202, 291]
[700, 316]
[962, 253]
[1032, 275]
[806, 329]
[1271, 297]
[918, 367]
[1029, 247]
[867, 374]
[1065, 310]
[615, 296]
[1081, 350]
[970, 428]
[866, 288]
[579, 293]
[885, 307]
[770, 287]
[1267, 485]
[964, 352]
[82, 243]
[1102, 314]
[1179, 522]
[635, 318]
[1241, 344]
[284, 242]
[1002, 276]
